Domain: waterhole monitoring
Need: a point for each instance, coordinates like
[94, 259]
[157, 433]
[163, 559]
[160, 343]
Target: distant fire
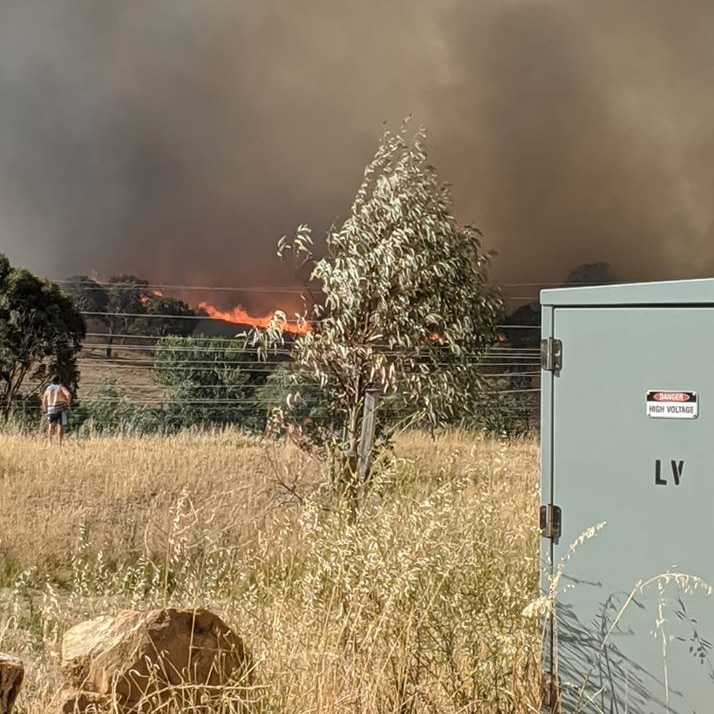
[146, 299]
[236, 315]
[239, 316]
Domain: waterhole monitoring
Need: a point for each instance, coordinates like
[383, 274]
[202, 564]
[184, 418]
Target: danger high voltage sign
[663, 404]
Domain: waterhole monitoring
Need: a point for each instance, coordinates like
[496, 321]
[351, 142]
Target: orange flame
[239, 316]
[146, 299]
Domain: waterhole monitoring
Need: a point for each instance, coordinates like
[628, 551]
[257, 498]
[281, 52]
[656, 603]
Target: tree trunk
[348, 480]
[110, 342]
[7, 393]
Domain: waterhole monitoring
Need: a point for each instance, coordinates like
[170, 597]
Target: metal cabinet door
[630, 636]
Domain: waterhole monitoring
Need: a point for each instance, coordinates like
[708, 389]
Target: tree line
[126, 305]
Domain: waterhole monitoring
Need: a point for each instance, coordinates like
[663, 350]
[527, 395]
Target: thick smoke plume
[179, 139]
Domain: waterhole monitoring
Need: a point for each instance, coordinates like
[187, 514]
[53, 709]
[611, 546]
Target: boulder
[142, 660]
[11, 675]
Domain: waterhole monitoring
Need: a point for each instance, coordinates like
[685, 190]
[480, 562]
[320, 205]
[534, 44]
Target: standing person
[55, 403]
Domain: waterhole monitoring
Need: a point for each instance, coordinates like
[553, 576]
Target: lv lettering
[676, 468]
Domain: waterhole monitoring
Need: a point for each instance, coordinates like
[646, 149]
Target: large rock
[138, 661]
[11, 675]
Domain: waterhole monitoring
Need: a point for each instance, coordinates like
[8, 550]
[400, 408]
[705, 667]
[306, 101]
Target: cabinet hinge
[550, 693]
[551, 518]
[551, 354]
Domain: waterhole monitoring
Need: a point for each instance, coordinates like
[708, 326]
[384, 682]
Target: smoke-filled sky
[178, 139]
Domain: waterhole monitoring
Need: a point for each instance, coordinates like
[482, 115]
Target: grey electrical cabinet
[627, 525]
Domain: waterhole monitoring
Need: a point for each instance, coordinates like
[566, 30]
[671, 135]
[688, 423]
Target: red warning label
[672, 404]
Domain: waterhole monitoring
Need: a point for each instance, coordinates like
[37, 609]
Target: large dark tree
[41, 332]
[600, 273]
[167, 316]
[127, 296]
[88, 295]
[522, 326]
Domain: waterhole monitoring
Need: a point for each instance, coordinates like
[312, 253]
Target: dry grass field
[415, 608]
[132, 370]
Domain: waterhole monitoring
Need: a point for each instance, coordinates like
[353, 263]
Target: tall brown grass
[416, 607]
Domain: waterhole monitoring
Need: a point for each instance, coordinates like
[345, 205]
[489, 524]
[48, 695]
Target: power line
[145, 315]
[231, 345]
[376, 350]
[223, 338]
[95, 382]
[99, 362]
[293, 288]
[238, 348]
[198, 288]
[155, 401]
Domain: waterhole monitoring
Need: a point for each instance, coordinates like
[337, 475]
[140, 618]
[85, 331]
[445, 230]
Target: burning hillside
[120, 299]
[239, 316]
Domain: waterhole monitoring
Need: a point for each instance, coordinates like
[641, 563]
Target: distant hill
[210, 327]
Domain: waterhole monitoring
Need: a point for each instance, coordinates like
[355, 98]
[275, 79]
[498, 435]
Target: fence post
[366, 439]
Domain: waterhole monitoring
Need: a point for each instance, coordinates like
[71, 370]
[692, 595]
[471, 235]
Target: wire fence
[510, 375]
[127, 364]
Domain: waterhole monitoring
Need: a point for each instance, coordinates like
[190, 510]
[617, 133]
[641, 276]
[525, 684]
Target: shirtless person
[55, 402]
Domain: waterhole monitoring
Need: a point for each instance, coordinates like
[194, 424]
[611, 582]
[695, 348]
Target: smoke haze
[179, 139]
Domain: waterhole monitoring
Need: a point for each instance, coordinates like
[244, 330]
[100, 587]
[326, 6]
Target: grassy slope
[133, 371]
[417, 608]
